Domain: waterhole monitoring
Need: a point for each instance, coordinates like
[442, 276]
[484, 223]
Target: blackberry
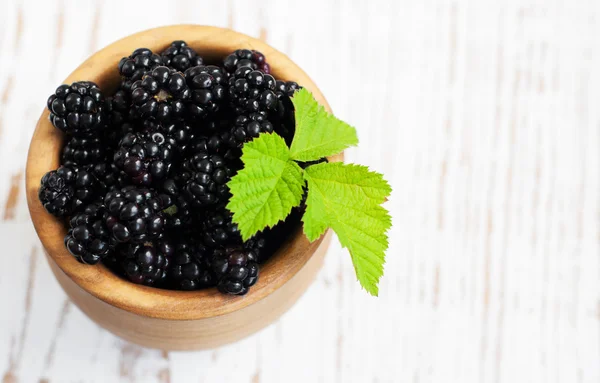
[287, 88]
[247, 127]
[66, 190]
[285, 124]
[134, 67]
[115, 133]
[191, 267]
[178, 134]
[204, 179]
[209, 88]
[212, 144]
[244, 58]
[144, 157]
[107, 177]
[218, 144]
[160, 94]
[88, 239]
[252, 91]
[134, 214]
[80, 151]
[180, 56]
[147, 263]
[218, 230]
[209, 133]
[178, 212]
[78, 109]
[234, 270]
[257, 248]
[118, 107]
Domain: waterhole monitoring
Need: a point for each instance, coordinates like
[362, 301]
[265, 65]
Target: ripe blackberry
[107, 177]
[78, 109]
[209, 88]
[134, 214]
[65, 190]
[132, 68]
[244, 58]
[147, 263]
[234, 270]
[178, 212]
[212, 144]
[118, 108]
[144, 157]
[287, 88]
[257, 247]
[218, 144]
[284, 118]
[160, 94]
[204, 179]
[84, 150]
[178, 134]
[247, 127]
[191, 268]
[115, 133]
[252, 91]
[218, 230]
[88, 239]
[180, 56]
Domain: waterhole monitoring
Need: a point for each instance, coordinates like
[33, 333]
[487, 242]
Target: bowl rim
[44, 153]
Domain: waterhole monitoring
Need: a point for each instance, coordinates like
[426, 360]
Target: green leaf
[318, 133]
[355, 179]
[347, 198]
[269, 186]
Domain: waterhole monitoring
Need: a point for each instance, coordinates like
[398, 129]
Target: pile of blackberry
[144, 170]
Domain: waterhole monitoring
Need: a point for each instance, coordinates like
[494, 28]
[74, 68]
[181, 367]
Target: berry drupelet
[81, 151]
[160, 94]
[133, 67]
[88, 239]
[203, 179]
[78, 109]
[246, 58]
[67, 190]
[144, 157]
[147, 263]
[180, 56]
[209, 88]
[191, 268]
[235, 270]
[134, 214]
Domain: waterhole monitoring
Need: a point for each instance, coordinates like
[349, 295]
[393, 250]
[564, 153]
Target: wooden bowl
[170, 320]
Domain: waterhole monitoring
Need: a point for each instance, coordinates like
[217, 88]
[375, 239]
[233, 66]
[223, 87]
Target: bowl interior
[44, 152]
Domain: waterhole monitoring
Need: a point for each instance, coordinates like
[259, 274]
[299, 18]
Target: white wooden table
[485, 117]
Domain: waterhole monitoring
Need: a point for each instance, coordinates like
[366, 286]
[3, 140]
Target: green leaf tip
[318, 133]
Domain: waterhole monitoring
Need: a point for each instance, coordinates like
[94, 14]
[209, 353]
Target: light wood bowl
[164, 319]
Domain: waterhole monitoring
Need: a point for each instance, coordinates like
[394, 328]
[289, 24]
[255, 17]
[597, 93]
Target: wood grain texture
[483, 115]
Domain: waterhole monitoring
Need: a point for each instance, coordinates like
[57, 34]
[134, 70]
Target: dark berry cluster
[144, 169]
